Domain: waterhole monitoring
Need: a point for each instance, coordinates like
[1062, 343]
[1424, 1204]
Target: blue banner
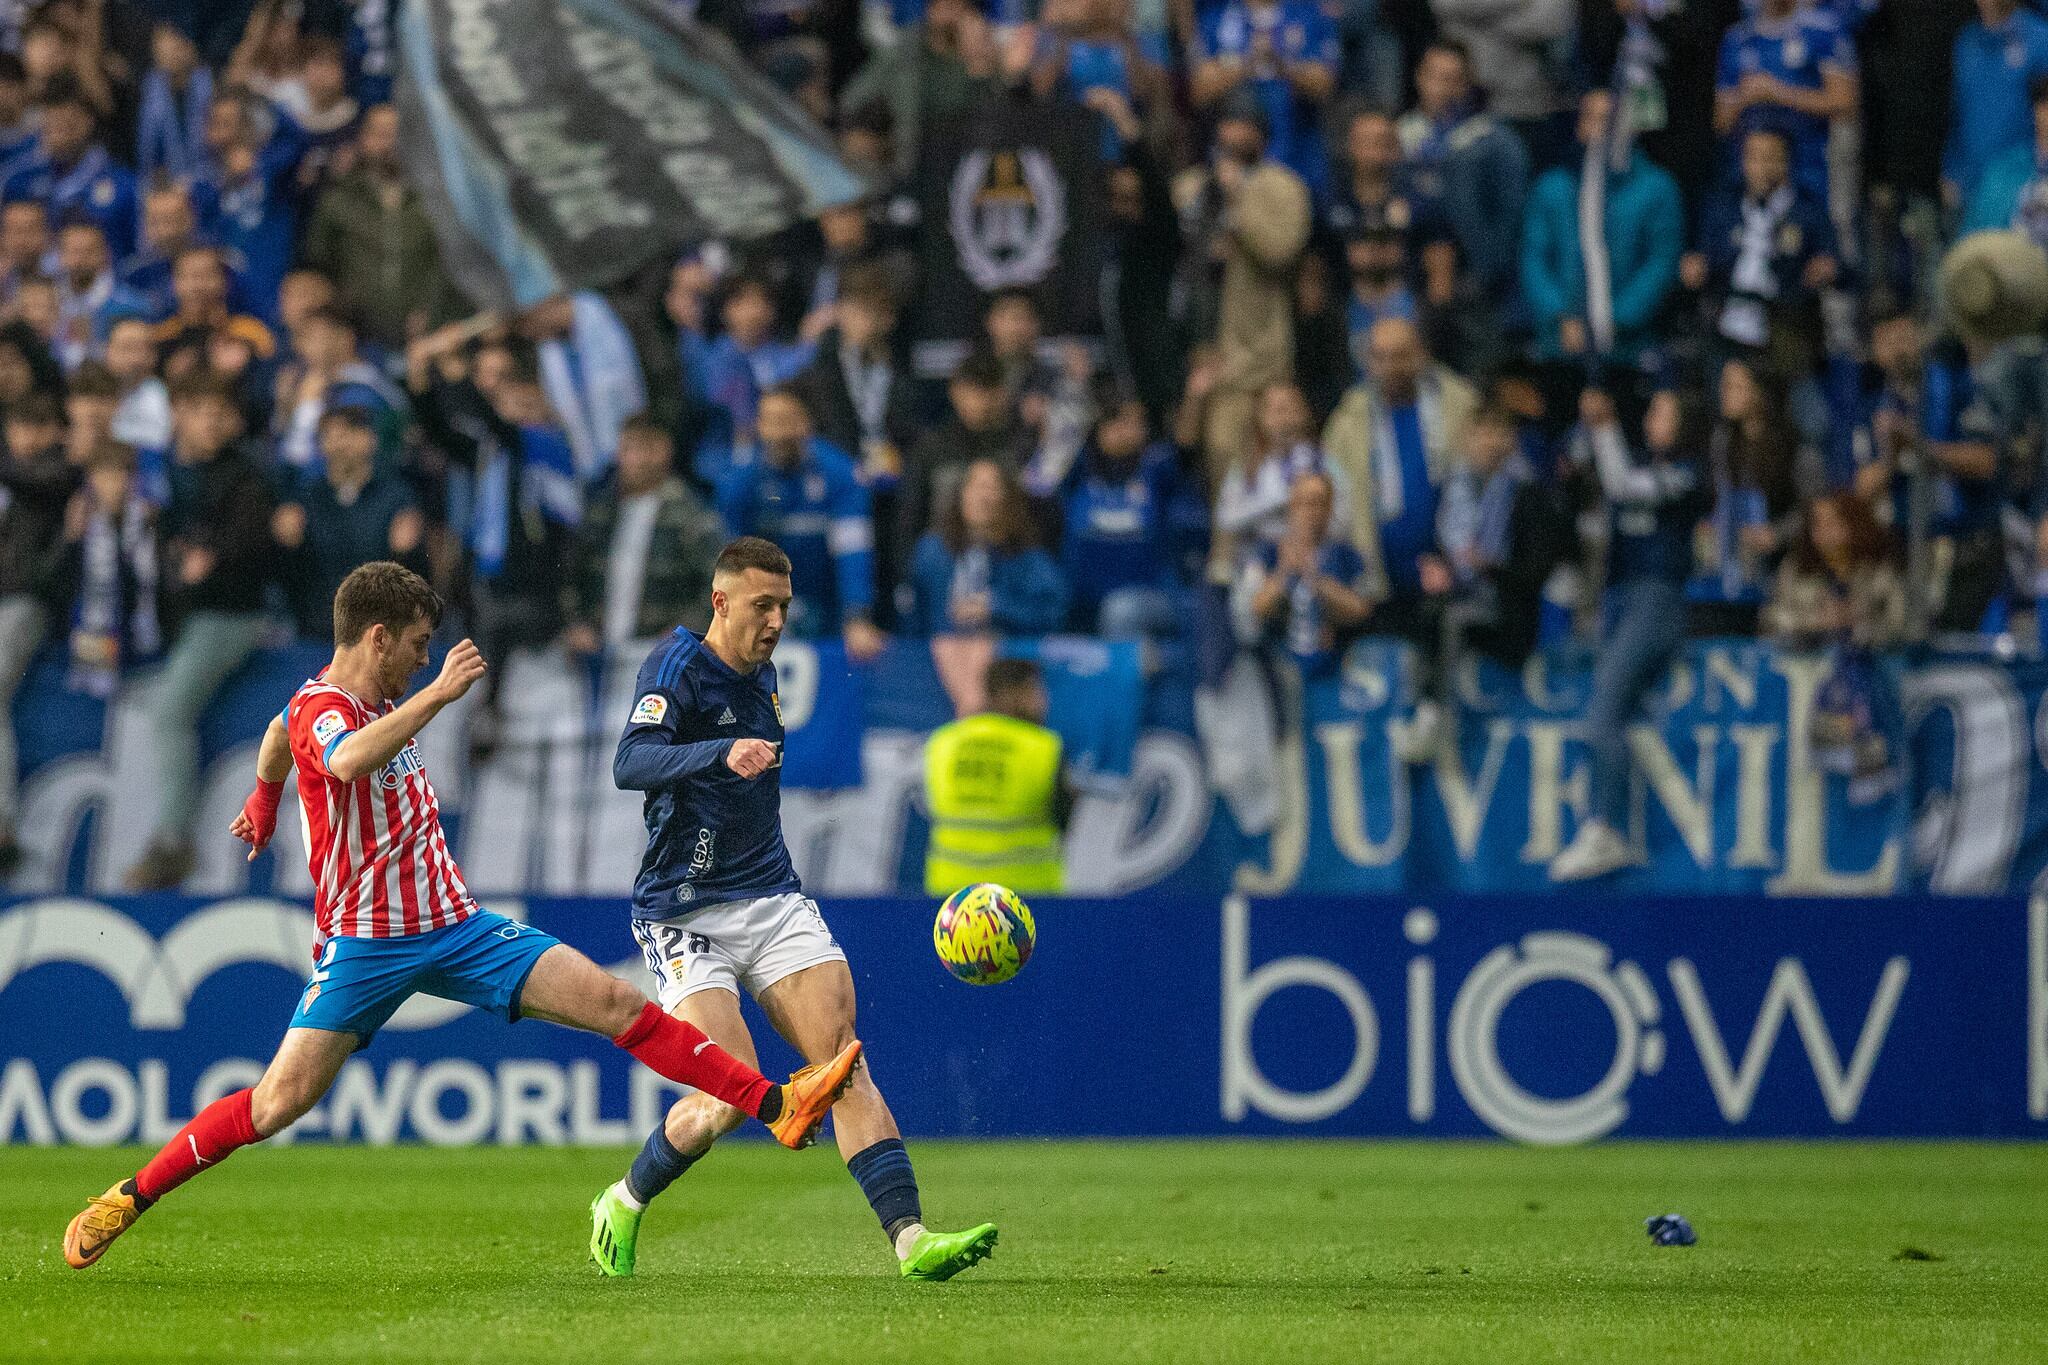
[1727, 798]
[1544, 1022]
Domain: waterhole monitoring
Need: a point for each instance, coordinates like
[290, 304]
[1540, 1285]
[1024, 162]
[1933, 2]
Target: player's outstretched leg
[568, 988]
[677, 1143]
[305, 1065]
[813, 1009]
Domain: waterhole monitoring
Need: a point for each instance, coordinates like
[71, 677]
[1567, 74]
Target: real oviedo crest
[1008, 211]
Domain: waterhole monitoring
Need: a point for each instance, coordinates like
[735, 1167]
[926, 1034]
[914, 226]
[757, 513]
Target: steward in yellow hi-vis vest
[997, 797]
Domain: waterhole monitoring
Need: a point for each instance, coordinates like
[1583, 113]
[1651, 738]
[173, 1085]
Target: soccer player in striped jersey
[394, 918]
[718, 907]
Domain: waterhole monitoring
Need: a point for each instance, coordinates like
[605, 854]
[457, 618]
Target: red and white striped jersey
[380, 864]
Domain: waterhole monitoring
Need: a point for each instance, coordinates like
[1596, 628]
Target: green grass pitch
[1124, 1252]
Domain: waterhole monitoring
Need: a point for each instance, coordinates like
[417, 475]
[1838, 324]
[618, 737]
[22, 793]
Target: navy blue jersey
[712, 835]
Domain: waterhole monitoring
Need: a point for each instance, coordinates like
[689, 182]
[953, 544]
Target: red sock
[682, 1053]
[214, 1132]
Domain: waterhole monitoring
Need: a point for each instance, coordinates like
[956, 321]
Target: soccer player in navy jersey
[394, 917]
[718, 906]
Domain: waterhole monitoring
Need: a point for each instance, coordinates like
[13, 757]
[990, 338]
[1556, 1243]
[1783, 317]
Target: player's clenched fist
[750, 757]
[463, 666]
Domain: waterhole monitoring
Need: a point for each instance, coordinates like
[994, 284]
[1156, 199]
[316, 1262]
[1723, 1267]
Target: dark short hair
[1007, 675]
[65, 88]
[336, 315]
[36, 409]
[979, 369]
[750, 552]
[747, 283]
[1494, 411]
[111, 453]
[869, 284]
[384, 594]
[198, 385]
[640, 424]
[93, 380]
[352, 415]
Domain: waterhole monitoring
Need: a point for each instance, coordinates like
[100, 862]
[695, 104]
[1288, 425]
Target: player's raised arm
[370, 748]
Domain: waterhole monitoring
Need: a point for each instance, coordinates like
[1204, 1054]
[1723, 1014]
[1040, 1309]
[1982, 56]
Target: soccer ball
[984, 934]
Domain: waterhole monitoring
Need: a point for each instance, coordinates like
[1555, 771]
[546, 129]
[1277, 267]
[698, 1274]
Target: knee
[621, 1005]
[278, 1102]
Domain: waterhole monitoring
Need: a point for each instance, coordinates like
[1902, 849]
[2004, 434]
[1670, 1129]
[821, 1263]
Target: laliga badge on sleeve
[651, 710]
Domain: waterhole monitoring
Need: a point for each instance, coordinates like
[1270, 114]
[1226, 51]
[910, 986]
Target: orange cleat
[106, 1217]
[809, 1095]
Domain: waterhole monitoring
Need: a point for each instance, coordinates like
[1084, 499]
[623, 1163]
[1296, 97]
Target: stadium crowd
[1463, 321]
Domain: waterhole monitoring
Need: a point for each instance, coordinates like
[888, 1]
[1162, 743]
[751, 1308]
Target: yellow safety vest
[989, 783]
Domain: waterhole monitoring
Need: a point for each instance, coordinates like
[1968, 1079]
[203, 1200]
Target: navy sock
[884, 1175]
[657, 1166]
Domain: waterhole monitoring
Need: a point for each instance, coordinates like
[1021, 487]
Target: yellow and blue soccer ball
[984, 934]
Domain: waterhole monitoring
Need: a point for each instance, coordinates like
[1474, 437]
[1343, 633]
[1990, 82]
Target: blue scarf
[1476, 520]
[174, 138]
[114, 622]
[547, 488]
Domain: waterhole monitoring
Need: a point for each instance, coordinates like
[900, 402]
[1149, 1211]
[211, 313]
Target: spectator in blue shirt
[1463, 159]
[1378, 267]
[342, 515]
[1284, 55]
[2012, 191]
[246, 196]
[1960, 431]
[1375, 191]
[327, 374]
[1791, 69]
[1306, 591]
[71, 172]
[177, 97]
[170, 224]
[1765, 253]
[980, 570]
[1997, 59]
[88, 298]
[1641, 230]
[805, 495]
[1128, 517]
[748, 358]
[1086, 51]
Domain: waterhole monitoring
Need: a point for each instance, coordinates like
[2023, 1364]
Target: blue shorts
[361, 982]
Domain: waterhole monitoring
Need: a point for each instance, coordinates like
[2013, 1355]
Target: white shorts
[726, 946]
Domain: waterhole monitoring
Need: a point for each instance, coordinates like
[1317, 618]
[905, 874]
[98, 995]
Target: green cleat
[613, 1230]
[942, 1255]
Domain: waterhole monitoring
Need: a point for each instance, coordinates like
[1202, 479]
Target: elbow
[626, 774]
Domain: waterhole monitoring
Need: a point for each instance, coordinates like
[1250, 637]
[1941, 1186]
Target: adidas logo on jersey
[726, 717]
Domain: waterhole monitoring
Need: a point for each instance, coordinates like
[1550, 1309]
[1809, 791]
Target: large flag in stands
[563, 144]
